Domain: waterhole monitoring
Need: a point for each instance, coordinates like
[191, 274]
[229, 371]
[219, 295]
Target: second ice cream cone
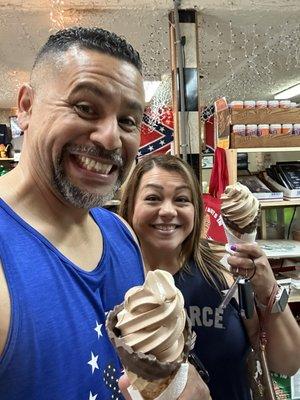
[240, 212]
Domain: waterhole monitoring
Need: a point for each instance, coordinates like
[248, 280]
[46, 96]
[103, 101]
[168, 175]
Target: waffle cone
[233, 236]
[146, 367]
[240, 231]
[149, 390]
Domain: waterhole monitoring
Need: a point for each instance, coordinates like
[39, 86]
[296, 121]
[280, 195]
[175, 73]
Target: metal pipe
[182, 121]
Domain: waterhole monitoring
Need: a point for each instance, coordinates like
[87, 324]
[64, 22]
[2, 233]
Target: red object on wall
[209, 133]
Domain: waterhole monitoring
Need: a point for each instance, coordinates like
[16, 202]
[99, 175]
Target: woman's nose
[167, 209]
[107, 134]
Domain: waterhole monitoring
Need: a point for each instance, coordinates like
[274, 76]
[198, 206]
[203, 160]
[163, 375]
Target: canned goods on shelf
[239, 130]
[236, 105]
[287, 129]
[263, 130]
[251, 130]
[275, 129]
[285, 104]
[249, 104]
[261, 104]
[296, 129]
[273, 103]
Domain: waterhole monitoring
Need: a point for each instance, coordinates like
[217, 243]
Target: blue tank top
[222, 343]
[57, 346]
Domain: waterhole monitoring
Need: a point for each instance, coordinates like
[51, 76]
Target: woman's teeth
[92, 165]
[165, 227]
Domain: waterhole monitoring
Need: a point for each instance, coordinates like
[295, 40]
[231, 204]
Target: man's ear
[25, 101]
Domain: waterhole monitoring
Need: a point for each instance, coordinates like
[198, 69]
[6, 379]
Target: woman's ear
[25, 101]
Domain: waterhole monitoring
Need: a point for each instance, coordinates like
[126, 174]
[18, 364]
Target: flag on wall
[156, 131]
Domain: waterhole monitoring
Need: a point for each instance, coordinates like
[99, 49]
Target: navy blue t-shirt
[222, 343]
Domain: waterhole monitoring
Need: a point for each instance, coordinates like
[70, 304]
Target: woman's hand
[249, 259]
[195, 388]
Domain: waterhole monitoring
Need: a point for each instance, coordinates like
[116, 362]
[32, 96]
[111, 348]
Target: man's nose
[107, 133]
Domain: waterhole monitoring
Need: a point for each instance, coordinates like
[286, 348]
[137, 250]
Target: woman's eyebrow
[157, 186]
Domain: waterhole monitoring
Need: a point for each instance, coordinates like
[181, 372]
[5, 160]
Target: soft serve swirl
[239, 205]
[153, 318]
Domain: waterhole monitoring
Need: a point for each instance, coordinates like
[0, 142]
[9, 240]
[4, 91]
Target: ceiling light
[288, 93]
[150, 88]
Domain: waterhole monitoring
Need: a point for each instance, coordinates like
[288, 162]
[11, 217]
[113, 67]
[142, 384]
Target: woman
[162, 202]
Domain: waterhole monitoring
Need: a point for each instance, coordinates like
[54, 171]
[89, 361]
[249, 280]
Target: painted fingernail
[233, 247]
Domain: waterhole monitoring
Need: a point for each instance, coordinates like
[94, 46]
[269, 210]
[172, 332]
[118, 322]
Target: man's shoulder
[128, 227]
[104, 216]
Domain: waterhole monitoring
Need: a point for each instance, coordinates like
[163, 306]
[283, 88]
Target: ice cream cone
[146, 373]
[240, 212]
[149, 376]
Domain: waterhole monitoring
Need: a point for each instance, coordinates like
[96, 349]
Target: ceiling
[249, 49]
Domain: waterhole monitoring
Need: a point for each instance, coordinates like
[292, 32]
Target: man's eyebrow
[135, 106]
[86, 86]
[99, 92]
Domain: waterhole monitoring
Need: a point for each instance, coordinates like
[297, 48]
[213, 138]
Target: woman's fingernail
[233, 247]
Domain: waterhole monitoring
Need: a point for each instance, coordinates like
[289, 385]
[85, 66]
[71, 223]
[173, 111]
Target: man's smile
[91, 164]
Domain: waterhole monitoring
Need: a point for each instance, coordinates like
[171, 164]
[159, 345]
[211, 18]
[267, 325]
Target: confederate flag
[156, 131]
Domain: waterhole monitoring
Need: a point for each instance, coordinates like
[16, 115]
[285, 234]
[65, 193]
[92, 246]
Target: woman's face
[164, 213]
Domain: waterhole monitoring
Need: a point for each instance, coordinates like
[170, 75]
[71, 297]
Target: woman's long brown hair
[194, 246]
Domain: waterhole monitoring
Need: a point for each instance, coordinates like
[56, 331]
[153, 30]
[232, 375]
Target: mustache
[113, 156]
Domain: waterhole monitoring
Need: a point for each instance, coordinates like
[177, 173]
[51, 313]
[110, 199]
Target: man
[65, 263]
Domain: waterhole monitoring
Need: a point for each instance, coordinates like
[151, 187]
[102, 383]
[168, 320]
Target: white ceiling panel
[248, 49]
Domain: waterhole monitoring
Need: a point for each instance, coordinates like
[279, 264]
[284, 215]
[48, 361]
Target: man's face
[83, 127]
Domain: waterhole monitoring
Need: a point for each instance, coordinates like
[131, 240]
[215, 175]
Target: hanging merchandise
[213, 226]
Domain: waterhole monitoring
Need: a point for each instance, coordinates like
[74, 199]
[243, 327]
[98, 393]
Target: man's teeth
[165, 227]
[91, 164]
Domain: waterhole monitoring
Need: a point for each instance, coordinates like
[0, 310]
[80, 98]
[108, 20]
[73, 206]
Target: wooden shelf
[265, 116]
[294, 298]
[7, 159]
[281, 248]
[266, 149]
[231, 157]
[280, 203]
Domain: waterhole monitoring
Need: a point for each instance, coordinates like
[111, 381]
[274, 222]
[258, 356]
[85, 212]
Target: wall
[5, 113]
